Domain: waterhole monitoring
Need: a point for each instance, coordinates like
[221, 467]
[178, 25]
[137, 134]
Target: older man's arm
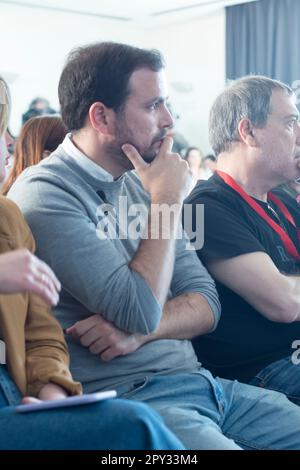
[255, 278]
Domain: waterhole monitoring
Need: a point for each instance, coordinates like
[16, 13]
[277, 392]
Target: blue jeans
[108, 425]
[282, 376]
[208, 413]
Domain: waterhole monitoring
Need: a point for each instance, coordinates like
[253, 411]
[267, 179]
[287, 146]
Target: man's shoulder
[43, 185]
[53, 170]
[213, 193]
[51, 166]
[206, 188]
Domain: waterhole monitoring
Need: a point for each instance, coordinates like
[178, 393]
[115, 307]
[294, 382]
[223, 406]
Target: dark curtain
[263, 37]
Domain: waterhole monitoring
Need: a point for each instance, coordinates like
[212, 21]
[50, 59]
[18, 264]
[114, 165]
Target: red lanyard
[287, 242]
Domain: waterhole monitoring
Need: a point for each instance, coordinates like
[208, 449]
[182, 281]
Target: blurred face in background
[41, 105]
[210, 165]
[3, 149]
[10, 142]
[194, 158]
[4, 118]
[3, 159]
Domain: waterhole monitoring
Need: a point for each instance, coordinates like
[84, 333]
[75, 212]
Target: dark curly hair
[100, 72]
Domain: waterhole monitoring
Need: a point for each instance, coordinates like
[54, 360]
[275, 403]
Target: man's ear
[246, 132]
[100, 117]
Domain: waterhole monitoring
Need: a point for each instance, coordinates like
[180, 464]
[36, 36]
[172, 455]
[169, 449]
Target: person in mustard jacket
[36, 354]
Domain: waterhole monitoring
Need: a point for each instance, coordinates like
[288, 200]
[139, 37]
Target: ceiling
[139, 12]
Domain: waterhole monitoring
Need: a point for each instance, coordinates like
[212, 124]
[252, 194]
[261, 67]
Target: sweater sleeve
[47, 358]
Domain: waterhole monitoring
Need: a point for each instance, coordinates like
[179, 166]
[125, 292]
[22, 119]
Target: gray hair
[249, 97]
[4, 106]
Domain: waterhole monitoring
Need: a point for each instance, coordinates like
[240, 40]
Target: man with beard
[129, 285]
[251, 242]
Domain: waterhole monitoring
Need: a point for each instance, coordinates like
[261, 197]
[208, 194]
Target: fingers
[82, 327]
[71, 331]
[24, 272]
[133, 155]
[105, 349]
[109, 354]
[99, 346]
[48, 287]
[166, 146]
[44, 269]
[42, 287]
[28, 400]
[42, 281]
[100, 336]
[76, 330]
[88, 338]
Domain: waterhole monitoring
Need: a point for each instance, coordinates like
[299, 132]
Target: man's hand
[104, 339]
[48, 392]
[167, 178]
[21, 271]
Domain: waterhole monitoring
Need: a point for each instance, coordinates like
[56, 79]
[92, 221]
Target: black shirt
[244, 341]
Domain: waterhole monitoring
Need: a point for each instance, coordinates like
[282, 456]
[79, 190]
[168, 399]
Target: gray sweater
[61, 202]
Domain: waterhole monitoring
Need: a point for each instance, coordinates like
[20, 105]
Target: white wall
[195, 54]
[34, 45]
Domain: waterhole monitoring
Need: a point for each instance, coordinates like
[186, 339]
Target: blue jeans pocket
[281, 376]
[133, 388]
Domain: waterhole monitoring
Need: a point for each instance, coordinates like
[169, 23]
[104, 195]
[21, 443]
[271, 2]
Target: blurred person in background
[194, 157]
[209, 164]
[6, 155]
[292, 189]
[38, 138]
[201, 167]
[4, 98]
[10, 142]
[3, 158]
[10, 145]
[38, 107]
[180, 144]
